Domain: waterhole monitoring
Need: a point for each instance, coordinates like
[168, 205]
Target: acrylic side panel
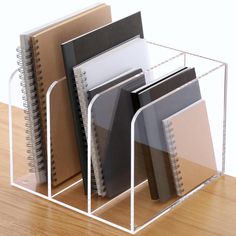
[25, 170]
[181, 138]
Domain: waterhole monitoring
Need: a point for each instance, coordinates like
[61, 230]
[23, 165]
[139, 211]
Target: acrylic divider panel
[110, 115]
[63, 156]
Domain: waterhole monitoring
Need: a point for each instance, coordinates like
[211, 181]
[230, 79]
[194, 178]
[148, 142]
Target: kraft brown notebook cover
[190, 145]
[49, 68]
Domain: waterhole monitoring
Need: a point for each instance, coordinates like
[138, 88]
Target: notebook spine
[81, 98]
[42, 105]
[82, 91]
[32, 116]
[173, 154]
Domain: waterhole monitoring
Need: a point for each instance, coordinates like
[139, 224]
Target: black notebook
[124, 76]
[150, 132]
[85, 47]
[113, 132]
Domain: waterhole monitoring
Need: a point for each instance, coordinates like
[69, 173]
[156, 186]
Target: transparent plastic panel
[111, 114]
[27, 164]
[180, 137]
[70, 189]
[159, 55]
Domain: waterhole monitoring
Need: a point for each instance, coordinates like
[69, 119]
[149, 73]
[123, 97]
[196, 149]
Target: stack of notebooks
[105, 66]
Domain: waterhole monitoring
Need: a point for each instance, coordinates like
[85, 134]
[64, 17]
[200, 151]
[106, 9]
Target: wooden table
[211, 211]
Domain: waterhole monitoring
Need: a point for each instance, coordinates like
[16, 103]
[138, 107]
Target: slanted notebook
[117, 160]
[82, 48]
[85, 96]
[116, 80]
[112, 114]
[190, 147]
[149, 133]
[49, 68]
[36, 151]
[102, 68]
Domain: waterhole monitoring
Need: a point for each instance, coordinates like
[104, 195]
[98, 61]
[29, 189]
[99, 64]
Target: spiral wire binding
[32, 116]
[82, 91]
[42, 103]
[174, 158]
[83, 134]
[84, 138]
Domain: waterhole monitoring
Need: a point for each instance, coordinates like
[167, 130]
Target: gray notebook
[149, 131]
[112, 115]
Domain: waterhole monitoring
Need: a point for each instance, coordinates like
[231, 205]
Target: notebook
[116, 80]
[149, 132]
[112, 114]
[100, 69]
[85, 96]
[36, 151]
[164, 84]
[82, 48]
[190, 147]
[49, 68]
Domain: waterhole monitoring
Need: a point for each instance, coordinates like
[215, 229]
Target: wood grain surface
[211, 211]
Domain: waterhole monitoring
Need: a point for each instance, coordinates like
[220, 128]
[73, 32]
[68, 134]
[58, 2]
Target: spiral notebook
[102, 68]
[49, 68]
[149, 133]
[85, 96]
[116, 158]
[84, 47]
[190, 147]
[36, 151]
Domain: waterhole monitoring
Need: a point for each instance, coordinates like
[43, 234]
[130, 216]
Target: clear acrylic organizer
[131, 208]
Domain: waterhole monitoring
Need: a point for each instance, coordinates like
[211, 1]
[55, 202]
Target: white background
[203, 27]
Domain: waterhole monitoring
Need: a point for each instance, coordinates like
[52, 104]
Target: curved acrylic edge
[11, 78]
[225, 116]
[48, 94]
